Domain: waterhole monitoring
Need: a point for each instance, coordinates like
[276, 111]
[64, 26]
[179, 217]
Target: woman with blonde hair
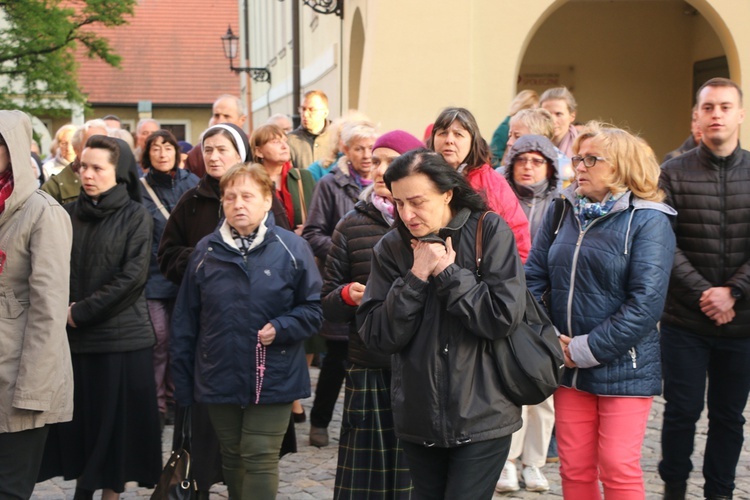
[62, 148]
[525, 99]
[607, 265]
[335, 151]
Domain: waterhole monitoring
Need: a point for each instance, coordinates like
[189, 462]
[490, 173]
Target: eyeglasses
[588, 161]
[536, 162]
[303, 110]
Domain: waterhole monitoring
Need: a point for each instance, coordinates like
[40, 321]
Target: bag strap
[302, 204]
[478, 242]
[557, 216]
[186, 434]
[155, 198]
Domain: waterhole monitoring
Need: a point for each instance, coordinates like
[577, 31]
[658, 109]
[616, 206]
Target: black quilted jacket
[712, 199]
[349, 260]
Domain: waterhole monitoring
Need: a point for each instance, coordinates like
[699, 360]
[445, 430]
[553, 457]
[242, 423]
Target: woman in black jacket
[114, 436]
[162, 186]
[425, 305]
[370, 460]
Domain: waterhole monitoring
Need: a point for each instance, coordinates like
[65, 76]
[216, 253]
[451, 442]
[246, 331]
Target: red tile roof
[171, 54]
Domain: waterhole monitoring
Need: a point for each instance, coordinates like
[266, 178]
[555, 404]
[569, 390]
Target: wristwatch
[736, 293]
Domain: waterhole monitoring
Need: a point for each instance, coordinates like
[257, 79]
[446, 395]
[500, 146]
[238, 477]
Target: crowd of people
[144, 282]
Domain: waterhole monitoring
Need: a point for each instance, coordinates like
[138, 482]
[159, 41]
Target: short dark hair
[168, 138]
[441, 174]
[718, 82]
[480, 150]
[107, 143]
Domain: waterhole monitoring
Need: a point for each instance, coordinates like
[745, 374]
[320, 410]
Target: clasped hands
[430, 259]
[718, 304]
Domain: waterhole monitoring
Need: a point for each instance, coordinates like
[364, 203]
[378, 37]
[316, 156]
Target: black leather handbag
[176, 480]
[529, 360]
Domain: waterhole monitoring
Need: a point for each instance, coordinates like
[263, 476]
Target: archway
[631, 63]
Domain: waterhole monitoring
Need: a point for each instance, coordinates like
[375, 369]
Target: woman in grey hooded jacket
[36, 377]
[532, 173]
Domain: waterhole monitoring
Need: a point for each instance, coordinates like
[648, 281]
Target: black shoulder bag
[176, 480]
[529, 360]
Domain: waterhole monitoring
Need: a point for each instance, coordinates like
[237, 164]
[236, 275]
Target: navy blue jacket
[225, 299]
[608, 283]
[169, 190]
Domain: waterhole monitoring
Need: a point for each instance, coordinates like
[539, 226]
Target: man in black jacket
[706, 320]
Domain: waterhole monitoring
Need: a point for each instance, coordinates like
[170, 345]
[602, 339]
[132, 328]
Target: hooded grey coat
[36, 375]
[534, 200]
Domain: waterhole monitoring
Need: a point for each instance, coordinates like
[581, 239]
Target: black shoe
[719, 497]
[299, 417]
[675, 491]
[318, 436]
[82, 494]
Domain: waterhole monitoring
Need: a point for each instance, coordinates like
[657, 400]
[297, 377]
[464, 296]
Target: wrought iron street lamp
[230, 41]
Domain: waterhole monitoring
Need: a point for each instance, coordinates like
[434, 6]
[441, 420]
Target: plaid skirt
[371, 463]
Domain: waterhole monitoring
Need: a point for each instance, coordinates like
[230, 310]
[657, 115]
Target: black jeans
[468, 471]
[687, 358]
[330, 379]
[20, 459]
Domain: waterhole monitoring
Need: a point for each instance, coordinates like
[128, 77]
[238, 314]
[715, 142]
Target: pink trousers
[599, 438]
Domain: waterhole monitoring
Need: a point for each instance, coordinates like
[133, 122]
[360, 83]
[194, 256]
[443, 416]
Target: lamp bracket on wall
[230, 42]
[259, 75]
[327, 6]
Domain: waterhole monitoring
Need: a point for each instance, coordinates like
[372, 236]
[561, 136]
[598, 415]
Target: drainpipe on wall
[296, 77]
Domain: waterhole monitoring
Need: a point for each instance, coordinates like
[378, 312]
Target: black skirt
[114, 436]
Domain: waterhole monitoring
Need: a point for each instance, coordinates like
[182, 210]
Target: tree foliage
[38, 44]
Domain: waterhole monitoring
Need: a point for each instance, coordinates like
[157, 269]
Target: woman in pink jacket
[456, 137]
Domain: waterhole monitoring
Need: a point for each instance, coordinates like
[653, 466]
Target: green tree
[38, 44]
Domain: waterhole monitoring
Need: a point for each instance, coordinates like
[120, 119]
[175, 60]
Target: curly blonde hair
[634, 165]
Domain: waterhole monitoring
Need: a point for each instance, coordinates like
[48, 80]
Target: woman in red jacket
[456, 137]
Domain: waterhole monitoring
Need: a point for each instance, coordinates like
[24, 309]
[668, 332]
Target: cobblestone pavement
[309, 474]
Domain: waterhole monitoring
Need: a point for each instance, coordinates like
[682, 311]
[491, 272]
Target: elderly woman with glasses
[606, 264]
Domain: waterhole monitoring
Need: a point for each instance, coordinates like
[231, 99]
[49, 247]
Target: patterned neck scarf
[6, 187]
[243, 242]
[385, 207]
[588, 211]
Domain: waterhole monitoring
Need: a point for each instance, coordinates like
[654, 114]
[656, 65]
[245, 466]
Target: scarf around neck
[588, 211]
[384, 205]
[6, 187]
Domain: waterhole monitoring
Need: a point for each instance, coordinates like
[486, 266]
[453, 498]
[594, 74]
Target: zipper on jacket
[581, 234]
[631, 351]
[722, 214]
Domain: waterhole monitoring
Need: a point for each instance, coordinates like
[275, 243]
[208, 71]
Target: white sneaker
[534, 479]
[508, 479]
